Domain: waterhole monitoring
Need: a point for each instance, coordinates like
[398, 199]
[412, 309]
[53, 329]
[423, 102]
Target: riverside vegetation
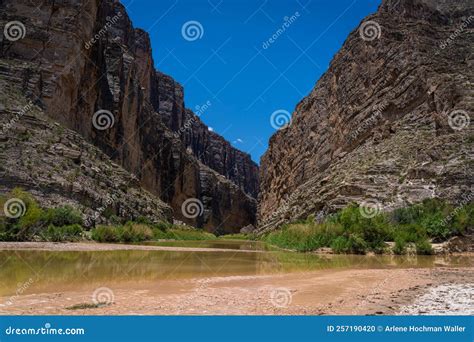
[348, 231]
[66, 224]
[413, 228]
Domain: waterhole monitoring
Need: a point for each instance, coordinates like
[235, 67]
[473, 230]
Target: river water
[36, 271]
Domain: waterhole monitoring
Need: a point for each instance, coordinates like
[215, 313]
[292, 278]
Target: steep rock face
[387, 123]
[81, 57]
[59, 167]
[210, 148]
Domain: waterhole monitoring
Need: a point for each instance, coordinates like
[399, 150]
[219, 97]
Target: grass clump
[71, 232]
[130, 232]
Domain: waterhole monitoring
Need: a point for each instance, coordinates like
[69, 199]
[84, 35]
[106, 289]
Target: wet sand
[325, 292]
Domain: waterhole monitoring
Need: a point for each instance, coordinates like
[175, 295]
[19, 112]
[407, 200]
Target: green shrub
[424, 247]
[72, 232]
[133, 232]
[434, 218]
[163, 226]
[106, 234]
[130, 232]
[35, 221]
[352, 244]
[400, 246]
[347, 231]
[25, 226]
[63, 216]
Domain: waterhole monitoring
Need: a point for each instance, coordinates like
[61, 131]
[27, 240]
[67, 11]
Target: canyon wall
[388, 124]
[84, 65]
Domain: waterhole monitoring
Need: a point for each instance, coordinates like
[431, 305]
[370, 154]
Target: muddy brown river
[54, 271]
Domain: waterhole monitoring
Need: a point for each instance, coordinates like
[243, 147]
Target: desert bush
[135, 232]
[72, 232]
[62, 216]
[423, 246]
[106, 234]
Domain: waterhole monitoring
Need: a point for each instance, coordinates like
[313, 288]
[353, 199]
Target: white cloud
[239, 141]
[210, 129]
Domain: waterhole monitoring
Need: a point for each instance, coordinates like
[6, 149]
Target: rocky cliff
[210, 148]
[84, 65]
[388, 123]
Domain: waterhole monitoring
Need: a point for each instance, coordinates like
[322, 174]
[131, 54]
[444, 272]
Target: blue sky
[226, 62]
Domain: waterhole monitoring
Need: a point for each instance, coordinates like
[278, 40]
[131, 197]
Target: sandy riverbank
[350, 292]
[94, 246]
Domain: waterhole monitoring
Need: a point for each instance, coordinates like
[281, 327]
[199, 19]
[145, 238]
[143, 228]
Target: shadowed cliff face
[387, 124]
[86, 67]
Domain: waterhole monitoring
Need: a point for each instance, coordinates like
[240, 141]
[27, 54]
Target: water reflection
[59, 271]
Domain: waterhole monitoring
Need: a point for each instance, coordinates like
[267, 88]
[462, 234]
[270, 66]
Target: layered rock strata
[388, 123]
